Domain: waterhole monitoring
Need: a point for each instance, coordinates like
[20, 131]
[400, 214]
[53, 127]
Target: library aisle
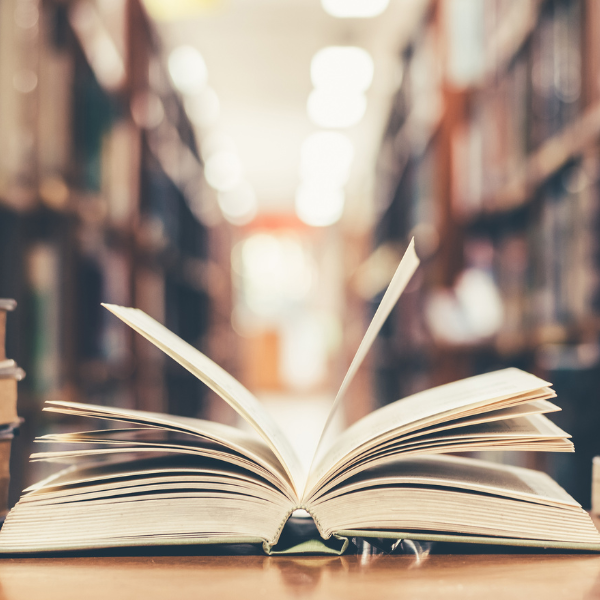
[250, 173]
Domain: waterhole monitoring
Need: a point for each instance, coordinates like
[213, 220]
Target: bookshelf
[499, 177]
[101, 200]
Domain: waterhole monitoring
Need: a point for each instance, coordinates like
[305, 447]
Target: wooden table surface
[488, 576]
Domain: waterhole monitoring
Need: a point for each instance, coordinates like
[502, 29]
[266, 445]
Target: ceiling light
[203, 109]
[333, 110]
[326, 157]
[238, 205]
[342, 69]
[223, 170]
[214, 142]
[344, 9]
[187, 69]
[319, 206]
[277, 272]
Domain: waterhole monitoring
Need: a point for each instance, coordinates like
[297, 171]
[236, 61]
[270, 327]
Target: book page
[457, 496]
[523, 428]
[526, 409]
[440, 403]
[463, 473]
[218, 380]
[406, 269]
[533, 432]
[96, 473]
[145, 502]
[207, 436]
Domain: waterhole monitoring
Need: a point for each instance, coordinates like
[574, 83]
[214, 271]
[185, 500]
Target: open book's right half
[158, 479]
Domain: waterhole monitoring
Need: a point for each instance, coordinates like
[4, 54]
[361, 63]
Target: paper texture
[415, 411]
[247, 444]
[218, 380]
[406, 269]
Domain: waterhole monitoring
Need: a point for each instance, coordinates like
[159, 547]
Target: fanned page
[429, 497]
[147, 437]
[426, 408]
[406, 269]
[218, 380]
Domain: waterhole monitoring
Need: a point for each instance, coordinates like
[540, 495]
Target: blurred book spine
[44, 281]
[5, 306]
[99, 202]
[503, 194]
[596, 486]
[10, 374]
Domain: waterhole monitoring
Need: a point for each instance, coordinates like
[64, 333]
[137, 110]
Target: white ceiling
[258, 55]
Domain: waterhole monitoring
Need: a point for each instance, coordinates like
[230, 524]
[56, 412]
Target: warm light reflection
[276, 270]
[345, 9]
[214, 142]
[347, 69]
[470, 312]
[326, 158]
[147, 110]
[187, 70]
[223, 170]
[319, 206]
[25, 81]
[238, 205]
[26, 15]
[98, 46]
[304, 351]
[330, 109]
[203, 109]
[180, 10]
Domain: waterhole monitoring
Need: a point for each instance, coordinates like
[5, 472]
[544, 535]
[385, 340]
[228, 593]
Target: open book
[163, 479]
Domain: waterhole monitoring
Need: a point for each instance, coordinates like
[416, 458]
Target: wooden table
[488, 576]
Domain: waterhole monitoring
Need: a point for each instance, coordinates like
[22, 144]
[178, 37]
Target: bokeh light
[238, 205]
[344, 9]
[223, 170]
[337, 111]
[342, 69]
[319, 206]
[203, 109]
[326, 158]
[187, 69]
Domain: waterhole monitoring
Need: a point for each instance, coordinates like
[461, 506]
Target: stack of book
[10, 374]
[596, 486]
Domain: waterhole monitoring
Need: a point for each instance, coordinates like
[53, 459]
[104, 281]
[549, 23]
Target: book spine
[9, 377]
[5, 306]
[10, 374]
[2, 334]
[5, 447]
[596, 486]
[8, 400]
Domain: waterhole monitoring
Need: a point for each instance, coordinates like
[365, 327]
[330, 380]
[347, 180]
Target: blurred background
[250, 172]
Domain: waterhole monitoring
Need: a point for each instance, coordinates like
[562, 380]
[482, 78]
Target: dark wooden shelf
[570, 143]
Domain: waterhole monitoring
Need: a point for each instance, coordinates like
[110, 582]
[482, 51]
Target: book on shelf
[596, 486]
[10, 374]
[160, 479]
[6, 305]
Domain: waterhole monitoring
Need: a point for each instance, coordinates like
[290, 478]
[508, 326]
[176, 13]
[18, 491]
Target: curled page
[433, 406]
[218, 380]
[406, 269]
